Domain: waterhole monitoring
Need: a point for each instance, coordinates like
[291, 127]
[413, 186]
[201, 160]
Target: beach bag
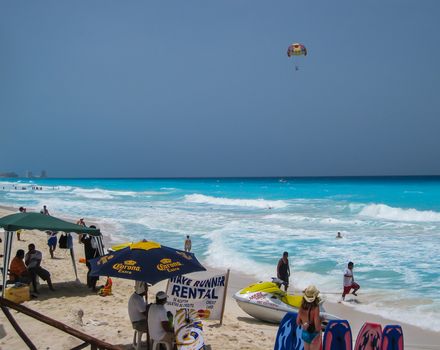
[62, 242]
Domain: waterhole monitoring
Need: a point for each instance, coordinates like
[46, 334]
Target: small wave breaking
[253, 203]
[382, 211]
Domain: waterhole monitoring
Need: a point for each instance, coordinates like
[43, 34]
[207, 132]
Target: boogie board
[392, 338]
[289, 334]
[337, 336]
[369, 337]
[188, 330]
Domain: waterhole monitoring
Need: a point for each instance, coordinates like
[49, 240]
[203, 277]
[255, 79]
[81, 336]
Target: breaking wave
[253, 203]
[382, 211]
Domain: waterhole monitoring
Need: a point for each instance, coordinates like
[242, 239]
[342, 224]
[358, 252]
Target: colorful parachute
[296, 50]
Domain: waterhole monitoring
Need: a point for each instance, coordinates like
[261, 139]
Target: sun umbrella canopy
[146, 261]
[37, 221]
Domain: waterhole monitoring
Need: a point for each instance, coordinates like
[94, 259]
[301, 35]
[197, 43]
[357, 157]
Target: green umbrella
[37, 221]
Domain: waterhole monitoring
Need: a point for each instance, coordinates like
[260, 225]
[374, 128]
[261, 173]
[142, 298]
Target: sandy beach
[106, 317]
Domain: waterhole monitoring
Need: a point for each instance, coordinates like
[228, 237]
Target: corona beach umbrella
[145, 261]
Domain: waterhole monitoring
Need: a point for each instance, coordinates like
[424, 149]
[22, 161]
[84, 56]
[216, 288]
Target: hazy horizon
[179, 90]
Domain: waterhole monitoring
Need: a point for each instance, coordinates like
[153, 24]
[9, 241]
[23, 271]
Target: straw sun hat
[311, 293]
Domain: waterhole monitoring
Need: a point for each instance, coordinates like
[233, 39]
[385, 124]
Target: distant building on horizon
[8, 174]
[30, 175]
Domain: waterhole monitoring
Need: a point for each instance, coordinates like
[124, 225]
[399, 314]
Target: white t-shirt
[156, 315]
[348, 281]
[136, 307]
[34, 258]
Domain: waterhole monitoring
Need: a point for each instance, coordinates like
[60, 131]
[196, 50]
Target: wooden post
[224, 296]
[18, 329]
[94, 342]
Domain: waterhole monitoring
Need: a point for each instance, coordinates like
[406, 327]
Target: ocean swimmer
[339, 235]
[349, 282]
[283, 270]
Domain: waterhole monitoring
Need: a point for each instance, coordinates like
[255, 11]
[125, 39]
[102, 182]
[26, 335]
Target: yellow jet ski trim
[292, 300]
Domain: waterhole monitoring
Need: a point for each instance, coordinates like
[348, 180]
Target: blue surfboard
[392, 338]
[289, 334]
[337, 336]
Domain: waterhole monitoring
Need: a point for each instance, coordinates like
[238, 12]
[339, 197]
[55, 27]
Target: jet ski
[267, 302]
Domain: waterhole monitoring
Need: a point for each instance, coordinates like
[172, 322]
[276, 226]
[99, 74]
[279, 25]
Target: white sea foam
[382, 211]
[239, 234]
[253, 203]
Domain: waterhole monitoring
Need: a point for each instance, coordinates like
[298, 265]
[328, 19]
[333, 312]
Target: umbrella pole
[72, 256]
[6, 257]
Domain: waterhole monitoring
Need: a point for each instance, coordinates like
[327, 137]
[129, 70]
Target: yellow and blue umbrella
[145, 261]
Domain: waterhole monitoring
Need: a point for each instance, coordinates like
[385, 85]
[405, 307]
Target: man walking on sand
[349, 282]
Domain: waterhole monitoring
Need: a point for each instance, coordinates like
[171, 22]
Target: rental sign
[206, 295]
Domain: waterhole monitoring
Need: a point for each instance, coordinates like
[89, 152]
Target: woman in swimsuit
[309, 320]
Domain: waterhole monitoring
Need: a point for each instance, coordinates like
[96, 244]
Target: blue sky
[204, 88]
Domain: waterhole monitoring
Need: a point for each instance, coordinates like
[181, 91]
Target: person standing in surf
[283, 270]
[349, 282]
[309, 320]
[188, 244]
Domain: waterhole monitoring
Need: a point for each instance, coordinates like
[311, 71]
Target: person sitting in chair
[158, 323]
[137, 309]
[33, 262]
[17, 270]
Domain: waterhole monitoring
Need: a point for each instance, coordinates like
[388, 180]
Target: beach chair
[151, 344]
[154, 344]
[137, 339]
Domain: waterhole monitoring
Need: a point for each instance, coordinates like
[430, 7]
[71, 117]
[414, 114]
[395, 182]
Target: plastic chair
[156, 344]
[137, 339]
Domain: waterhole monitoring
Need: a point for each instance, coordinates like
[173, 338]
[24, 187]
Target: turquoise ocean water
[391, 228]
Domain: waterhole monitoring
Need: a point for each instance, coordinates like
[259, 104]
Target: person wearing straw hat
[309, 320]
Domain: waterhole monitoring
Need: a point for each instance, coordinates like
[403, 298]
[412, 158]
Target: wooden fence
[94, 343]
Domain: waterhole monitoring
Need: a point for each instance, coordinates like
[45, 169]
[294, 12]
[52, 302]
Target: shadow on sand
[251, 320]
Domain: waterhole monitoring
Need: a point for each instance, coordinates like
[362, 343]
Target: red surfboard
[369, 337]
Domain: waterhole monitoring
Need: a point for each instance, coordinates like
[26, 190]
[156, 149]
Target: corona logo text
[168, 265]
[127, 267]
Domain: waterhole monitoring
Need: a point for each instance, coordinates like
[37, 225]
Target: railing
[94, 343]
